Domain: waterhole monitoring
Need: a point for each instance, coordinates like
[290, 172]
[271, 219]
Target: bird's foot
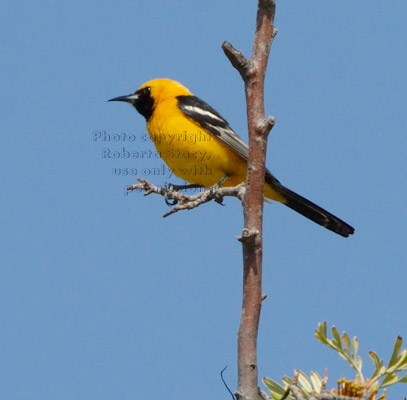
[168, 189]
[215, 190]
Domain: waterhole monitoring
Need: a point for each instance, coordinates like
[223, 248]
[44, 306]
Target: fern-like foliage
[382, 377]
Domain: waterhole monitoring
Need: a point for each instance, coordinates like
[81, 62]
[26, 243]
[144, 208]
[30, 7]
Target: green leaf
[379, 369]
[346, 342]
[396, 351]
[400, 364]
[276, 390]
[324, 329]
[304, 382]
[321, 338]
[337, 337]
[287, 380]
[390, 379]
[316, 381]
[321, 333]
[403, 359]
[374, 357]
[403, 380]
[359, 363]
[355, 345]
[344, 356]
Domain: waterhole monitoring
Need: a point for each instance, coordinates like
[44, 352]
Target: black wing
[211, 121]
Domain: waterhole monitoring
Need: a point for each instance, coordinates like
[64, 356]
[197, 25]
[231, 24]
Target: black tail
[309, 209]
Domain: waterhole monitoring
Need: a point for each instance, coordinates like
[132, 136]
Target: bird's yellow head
[146, 98]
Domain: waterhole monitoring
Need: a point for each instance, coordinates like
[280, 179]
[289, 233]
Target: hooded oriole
[199, 146]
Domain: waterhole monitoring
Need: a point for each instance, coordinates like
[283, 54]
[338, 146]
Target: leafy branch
[313, 387]
[389, 374]
[346, 348]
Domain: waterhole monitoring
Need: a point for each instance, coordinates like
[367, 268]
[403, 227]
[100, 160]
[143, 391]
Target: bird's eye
[146, 91]
[143, 92]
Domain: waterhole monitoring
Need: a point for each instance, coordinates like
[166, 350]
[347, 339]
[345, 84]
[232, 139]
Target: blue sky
[102, 298]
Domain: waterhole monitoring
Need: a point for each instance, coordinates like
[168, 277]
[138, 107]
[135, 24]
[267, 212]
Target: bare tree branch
[238, 60]
[253, 72]
[184, 202]
[263, 395]
[296, 392]
[332, 396]
[251, 194]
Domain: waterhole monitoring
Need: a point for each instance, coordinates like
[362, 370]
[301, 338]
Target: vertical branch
[253, 72]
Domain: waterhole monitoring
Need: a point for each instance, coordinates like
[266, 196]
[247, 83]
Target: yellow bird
[199, 146]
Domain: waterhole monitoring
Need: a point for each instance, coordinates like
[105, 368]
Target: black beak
[128, 99]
